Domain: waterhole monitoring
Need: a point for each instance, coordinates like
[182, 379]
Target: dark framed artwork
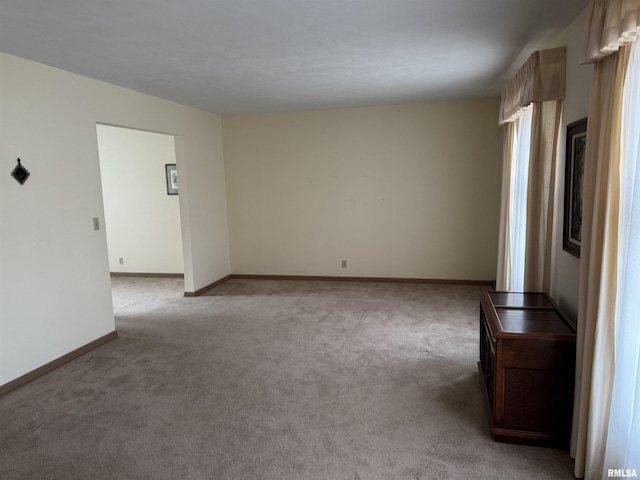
[172, 178]
[573, 186]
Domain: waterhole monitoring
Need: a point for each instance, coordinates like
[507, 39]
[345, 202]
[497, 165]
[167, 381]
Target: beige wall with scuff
[408, 191]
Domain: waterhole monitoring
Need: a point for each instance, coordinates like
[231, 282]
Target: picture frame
[576, 145]
[171, 174]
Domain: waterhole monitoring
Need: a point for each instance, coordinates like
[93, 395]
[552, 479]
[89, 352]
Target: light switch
[96, 223]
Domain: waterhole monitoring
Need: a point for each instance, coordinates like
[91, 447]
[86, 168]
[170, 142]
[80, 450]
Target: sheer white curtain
[623, 437]
[519, 182]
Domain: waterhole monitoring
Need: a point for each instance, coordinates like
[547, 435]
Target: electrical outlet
[344, 264]
[121, 260]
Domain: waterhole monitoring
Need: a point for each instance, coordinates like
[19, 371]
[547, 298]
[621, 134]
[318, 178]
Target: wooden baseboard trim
[206, 288]
[38, 372]
[238, 276]
[361, 279]
[137, 274]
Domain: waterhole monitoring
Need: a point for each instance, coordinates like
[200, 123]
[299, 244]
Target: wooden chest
[527, 364]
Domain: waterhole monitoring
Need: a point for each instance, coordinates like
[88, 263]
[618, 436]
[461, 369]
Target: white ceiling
[239, 56]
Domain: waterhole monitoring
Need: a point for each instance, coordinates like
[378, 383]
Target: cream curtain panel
[610, 24]
[598, 274]
[623, 436]
[540, 199]
[540, 82]
[503, 275]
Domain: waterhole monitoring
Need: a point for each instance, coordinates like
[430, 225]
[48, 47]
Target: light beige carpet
[271, 380]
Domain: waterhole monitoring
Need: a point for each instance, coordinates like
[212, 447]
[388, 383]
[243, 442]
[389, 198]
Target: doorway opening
[141, 209]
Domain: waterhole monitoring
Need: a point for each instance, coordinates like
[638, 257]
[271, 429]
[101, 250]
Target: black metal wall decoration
[20, 173]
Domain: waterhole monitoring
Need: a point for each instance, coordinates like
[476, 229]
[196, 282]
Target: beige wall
[566, 274]
[398, 191]
[55, 293]
[142, 222]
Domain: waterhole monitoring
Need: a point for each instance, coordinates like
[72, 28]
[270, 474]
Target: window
[519, 182]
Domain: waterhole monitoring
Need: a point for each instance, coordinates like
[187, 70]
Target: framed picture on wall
[172, 178]
[573, 186]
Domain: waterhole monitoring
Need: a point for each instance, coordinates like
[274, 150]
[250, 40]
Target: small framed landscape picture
[573, 186]
[172, 178]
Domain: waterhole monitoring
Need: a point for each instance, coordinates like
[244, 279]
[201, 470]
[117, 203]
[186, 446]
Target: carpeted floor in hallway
[271, 380]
